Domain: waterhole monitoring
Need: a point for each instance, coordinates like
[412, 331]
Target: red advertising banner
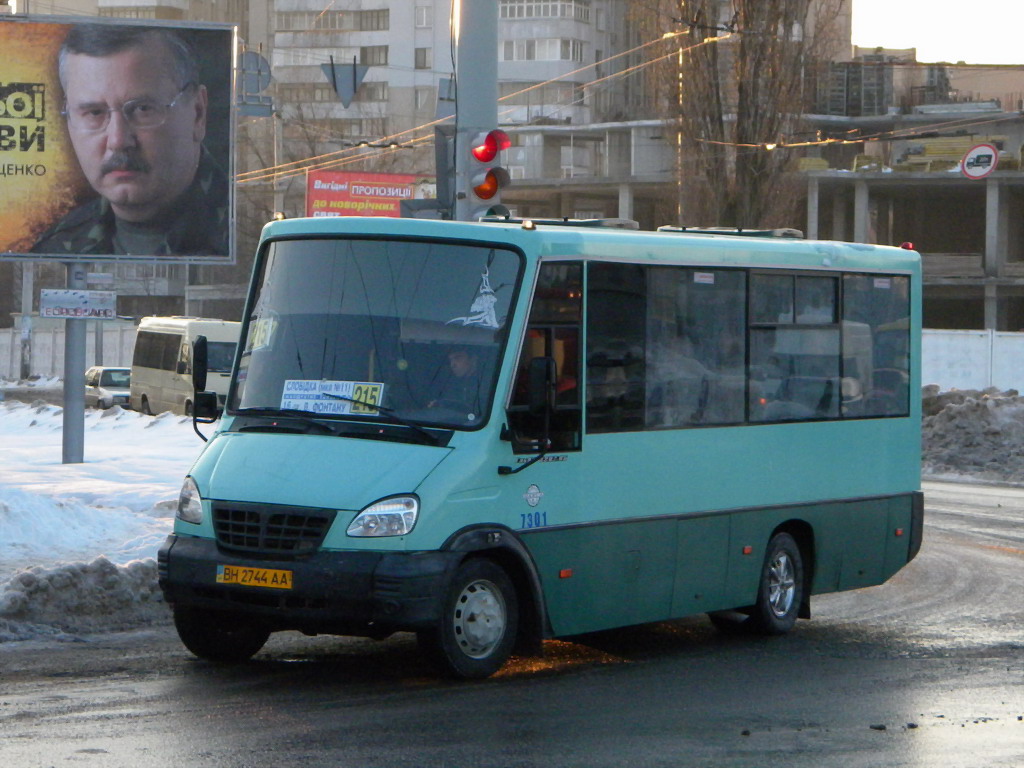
[354, 193]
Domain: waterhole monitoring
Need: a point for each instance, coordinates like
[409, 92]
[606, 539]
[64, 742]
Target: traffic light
[484, 176]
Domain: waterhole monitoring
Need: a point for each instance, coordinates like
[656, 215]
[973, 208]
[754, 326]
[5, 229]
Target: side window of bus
[665, 347]
[184, 363]
[876, 342]
[795, 348]
[553, 331]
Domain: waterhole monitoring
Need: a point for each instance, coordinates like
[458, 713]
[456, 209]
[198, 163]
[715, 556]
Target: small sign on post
[75, 304]
[979, 161]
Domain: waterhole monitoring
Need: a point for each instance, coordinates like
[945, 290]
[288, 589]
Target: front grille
[271, 530]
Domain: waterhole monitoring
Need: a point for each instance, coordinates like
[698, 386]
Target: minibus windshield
[339, 325]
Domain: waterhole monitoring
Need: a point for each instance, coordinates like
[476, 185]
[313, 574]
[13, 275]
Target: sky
[979, 32]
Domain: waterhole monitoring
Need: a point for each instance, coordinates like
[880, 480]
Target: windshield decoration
[335, 398]
[481, 312]
[262, 331]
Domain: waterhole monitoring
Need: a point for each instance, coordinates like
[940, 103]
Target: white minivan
[162, 362]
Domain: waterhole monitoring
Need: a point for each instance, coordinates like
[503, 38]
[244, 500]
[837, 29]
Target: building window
[543, 49]
[527, 94]
[139, 13]
[373, 21]
[373, 91]
[424, 98]
[373, 55]
[424, 58]
[351, 21]
[545, 9]
[424, 16]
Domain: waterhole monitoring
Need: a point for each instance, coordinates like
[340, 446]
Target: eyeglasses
[138, 113]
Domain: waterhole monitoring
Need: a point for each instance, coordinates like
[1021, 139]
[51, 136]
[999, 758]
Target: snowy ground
[78, 542]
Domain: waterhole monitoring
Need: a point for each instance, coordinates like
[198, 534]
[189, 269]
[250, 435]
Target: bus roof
[554, 239]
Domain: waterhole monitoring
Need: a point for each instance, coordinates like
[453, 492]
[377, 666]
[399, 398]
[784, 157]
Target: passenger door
[544, 498]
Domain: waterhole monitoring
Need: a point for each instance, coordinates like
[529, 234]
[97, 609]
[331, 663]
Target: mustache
[124, 161]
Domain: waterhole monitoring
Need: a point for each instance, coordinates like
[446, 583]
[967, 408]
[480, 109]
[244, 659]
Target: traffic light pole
[476, 73]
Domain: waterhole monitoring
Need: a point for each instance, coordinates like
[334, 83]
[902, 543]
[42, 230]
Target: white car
[106, 387]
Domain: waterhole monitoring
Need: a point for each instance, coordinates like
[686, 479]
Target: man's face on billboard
[140, 168]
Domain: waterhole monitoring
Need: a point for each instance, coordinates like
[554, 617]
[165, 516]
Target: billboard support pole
[74, 375]
[28, 272]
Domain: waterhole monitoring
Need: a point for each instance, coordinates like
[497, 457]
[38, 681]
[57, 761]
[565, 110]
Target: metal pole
[97, 328]
[28, 272]
[74, 375]
[476, 72]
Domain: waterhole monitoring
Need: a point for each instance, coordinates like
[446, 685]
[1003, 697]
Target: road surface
[926, 670]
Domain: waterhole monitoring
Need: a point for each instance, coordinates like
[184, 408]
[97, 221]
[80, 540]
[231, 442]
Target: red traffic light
[486, 146]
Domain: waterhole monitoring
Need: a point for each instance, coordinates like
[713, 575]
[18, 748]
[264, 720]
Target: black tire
[145, 406]
[188, 407]
[479, 620]
[781, 590]
[216, 637]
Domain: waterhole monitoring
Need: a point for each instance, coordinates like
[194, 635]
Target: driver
[461, 391]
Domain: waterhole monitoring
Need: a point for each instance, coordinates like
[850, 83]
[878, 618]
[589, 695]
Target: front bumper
[356, 592]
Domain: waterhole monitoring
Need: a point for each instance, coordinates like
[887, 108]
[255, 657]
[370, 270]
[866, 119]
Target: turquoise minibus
[493, 433]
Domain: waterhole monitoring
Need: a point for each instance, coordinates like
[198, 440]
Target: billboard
[353, 193]
[116, 140]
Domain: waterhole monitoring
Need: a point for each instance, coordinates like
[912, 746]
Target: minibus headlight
[190, 505]
[388, 517]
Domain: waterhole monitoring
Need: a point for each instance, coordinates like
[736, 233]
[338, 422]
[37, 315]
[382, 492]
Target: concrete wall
[48, 349]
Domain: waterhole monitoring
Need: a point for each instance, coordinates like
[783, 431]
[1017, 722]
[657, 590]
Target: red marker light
[899, 531]
[748, 550]
[907, 246]
[565, 573]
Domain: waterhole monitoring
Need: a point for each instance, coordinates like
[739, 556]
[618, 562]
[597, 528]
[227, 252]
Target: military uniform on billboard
[197, 226]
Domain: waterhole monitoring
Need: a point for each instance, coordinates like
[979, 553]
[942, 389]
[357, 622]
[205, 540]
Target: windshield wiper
[308, 418]
[390, 413]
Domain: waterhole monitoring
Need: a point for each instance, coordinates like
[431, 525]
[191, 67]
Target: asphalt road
[926, 670]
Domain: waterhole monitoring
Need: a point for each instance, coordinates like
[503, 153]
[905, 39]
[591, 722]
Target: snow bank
[972, 434]
[36, 382]
[78, 542]
[81, 598]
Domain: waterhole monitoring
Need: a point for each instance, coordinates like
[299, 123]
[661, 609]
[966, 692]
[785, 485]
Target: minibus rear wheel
[218, 637]
[781, 590]
[479, 620]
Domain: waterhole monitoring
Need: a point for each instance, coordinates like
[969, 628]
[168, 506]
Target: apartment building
[588, 139]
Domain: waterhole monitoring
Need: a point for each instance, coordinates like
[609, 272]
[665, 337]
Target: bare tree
[742, 81]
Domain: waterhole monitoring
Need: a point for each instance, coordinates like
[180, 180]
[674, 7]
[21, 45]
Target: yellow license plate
[254, 577]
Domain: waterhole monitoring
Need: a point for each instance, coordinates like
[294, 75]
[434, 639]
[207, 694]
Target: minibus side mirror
[198, 364]
[541, 378]
[205, 407]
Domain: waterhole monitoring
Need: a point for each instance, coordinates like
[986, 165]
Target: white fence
[960, 359]
[973, 359]
[48, 349]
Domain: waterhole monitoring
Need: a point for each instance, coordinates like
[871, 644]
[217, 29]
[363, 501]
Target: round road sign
[979, 161]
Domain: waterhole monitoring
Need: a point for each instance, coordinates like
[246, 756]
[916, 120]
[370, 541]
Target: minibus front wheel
[217, 637]
[479, 619]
